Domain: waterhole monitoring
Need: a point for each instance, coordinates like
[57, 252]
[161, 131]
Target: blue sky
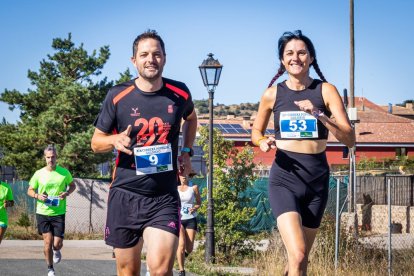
[242, 35]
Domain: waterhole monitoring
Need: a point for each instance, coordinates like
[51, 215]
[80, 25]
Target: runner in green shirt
[50, 186]
[6, 200]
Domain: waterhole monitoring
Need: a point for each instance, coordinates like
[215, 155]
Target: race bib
[298, 124]
[153, 159]
[52, 201]
[185, 208]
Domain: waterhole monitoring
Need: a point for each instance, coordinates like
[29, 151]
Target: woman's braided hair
[283, 40]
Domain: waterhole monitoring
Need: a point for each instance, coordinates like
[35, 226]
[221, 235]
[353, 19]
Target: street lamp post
[210, 71]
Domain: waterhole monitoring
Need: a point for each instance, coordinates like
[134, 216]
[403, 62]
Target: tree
[233, 175]
[24, 221]
[59, 110]
[406, 102]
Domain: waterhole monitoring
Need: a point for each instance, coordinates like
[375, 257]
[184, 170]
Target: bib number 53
[297, 125]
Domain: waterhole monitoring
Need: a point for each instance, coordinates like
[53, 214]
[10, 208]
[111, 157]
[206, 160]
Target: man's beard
[151, 77]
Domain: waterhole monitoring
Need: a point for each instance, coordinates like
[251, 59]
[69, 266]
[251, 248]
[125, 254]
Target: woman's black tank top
[285, 98]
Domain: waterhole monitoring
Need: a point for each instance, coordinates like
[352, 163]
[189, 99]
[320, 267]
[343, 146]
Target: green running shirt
[53, 183]
[6, 193]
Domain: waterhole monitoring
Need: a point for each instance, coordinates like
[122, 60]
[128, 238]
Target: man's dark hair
[148, 34]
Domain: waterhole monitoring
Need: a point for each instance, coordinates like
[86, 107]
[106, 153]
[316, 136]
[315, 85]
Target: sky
[242, 35]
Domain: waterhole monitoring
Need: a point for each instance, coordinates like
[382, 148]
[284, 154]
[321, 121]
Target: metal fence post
[338, 222]
[90, 209]
[389, 227]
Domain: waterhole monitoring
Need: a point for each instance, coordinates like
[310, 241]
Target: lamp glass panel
[217, 77]
[211, 76]
[203, 76]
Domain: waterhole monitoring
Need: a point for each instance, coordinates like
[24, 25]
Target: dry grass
[16, 232]
[354, 259]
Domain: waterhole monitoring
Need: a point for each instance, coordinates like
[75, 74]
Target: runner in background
[190, 202]
[50, 186]
[6, 201]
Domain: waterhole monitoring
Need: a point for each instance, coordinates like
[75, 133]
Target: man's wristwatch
[188, 150]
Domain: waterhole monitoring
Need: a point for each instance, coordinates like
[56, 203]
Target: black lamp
[210, 71]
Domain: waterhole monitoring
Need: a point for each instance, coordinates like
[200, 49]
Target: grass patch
[23, 226]
[354, 258]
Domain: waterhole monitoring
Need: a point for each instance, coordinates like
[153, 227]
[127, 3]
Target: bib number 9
[153, 159]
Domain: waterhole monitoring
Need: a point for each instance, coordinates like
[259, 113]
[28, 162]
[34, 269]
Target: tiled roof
[362, 103]
[381, 127]
[399, 110]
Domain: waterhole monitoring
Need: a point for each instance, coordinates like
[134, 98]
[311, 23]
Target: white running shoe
[57, 256]
[50, 272]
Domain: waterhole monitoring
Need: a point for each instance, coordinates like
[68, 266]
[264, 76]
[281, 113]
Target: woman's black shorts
[189, 223]
[299, 182]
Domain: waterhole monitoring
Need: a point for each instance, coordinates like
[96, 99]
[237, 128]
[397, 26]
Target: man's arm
[189, 133]
[189, 130]
[32, 193]
[104, 142]
[9, 202]
[72, 188]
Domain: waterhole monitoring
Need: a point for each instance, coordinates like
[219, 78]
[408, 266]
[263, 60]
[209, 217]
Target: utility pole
[353, 114]
[352, 47]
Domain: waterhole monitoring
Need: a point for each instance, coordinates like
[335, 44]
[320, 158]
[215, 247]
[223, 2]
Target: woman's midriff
[302, 146]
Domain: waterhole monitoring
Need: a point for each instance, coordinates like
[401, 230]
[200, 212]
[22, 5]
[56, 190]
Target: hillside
[221, 110]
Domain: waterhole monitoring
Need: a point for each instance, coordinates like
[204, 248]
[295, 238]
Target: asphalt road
[20, 267]
[79, 257]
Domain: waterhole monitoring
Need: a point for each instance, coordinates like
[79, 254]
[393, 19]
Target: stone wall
[410, 223]
[376, 219]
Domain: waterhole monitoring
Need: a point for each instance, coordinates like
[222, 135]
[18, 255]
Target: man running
[141, 118]
[50, 186]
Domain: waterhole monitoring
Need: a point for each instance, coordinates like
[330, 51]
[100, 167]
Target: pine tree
[59, 109]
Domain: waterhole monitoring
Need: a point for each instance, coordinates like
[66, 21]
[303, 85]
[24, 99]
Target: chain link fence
[384, 215]
[85, 208]
[384, 209]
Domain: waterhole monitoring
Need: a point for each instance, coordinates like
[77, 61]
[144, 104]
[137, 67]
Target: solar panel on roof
[232, 131]
[243, 131]
[226, 125]
[229, 128]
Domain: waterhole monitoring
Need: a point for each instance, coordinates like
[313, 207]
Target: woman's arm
[197, 198]
[262, 119]
[339, 124]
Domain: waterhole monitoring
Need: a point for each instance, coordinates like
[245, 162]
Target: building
[406, 111]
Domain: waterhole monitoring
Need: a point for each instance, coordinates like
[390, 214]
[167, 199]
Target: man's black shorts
[130, 213]
[54, 224]
[189, 223]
